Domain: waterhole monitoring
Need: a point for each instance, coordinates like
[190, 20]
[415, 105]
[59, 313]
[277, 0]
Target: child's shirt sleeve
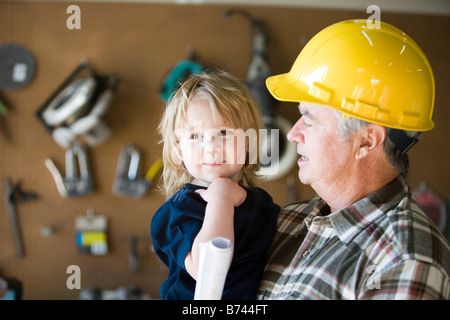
[175, 226]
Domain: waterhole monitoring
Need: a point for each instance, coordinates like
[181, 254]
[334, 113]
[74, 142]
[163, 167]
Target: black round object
[17, 66]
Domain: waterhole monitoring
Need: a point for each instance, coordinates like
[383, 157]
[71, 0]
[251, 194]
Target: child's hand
[222, 196]
[223, 189]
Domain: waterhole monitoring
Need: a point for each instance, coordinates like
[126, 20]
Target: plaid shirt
[381, 247]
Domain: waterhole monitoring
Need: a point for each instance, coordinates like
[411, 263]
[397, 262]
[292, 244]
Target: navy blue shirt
[178, 221]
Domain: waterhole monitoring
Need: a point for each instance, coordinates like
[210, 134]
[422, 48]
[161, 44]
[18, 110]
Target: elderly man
[365, 96]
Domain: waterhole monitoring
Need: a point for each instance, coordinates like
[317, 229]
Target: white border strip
[431, 7]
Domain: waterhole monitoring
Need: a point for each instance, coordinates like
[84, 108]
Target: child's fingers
[200, 192]
[242, 200]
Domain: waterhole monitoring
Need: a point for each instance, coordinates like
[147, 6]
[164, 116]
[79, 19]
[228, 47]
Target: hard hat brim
[284, 87]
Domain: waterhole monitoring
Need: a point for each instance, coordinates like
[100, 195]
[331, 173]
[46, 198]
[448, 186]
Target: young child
[210, 161]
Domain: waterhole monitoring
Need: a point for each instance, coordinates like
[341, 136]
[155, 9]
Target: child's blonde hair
[230, 99]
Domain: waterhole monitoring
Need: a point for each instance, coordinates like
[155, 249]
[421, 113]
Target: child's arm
[222, 196]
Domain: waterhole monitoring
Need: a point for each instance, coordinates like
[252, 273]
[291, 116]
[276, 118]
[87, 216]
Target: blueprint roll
[215, 257]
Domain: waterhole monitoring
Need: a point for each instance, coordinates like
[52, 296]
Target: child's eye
[196, 136]
[225, 132]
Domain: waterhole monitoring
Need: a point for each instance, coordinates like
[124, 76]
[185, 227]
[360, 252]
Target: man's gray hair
[348, 126]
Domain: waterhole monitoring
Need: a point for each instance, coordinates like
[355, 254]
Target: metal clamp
[129, 180]
[78, 180]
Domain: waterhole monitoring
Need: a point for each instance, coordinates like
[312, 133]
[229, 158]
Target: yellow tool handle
[154, 169]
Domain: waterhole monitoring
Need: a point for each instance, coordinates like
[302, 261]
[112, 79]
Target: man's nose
[295, 134]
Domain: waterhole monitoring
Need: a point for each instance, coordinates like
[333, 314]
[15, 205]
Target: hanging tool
[259, 69]
[130, 292]
[91, 233]
[13, 195]
[77, 107]
[17, 66]
[132, 255]
[275, 143]
[129, 180]
[78, 180]
[180, 72]
[11, 288]
[133, 252]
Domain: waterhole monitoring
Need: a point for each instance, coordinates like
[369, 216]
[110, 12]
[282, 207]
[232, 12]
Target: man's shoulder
[405, 233]
[417, 236]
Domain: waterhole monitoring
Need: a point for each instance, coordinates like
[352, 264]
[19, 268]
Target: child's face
[210, 148]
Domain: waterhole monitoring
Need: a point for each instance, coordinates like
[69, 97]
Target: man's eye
[305, 123]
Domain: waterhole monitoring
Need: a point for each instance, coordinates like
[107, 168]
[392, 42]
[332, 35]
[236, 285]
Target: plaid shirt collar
[354, 219]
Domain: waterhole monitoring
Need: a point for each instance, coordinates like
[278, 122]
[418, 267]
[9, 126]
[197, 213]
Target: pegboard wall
[140, 43]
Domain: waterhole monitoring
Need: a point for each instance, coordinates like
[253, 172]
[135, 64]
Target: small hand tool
[13, 195]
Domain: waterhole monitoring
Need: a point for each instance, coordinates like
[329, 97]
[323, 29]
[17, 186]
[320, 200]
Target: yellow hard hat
[379, 75]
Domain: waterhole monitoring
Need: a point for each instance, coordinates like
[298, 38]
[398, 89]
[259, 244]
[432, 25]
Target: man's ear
[369, 139]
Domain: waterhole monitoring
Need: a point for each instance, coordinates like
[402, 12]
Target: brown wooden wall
[140, 42]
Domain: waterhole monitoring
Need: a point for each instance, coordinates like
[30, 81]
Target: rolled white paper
[215, 257]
